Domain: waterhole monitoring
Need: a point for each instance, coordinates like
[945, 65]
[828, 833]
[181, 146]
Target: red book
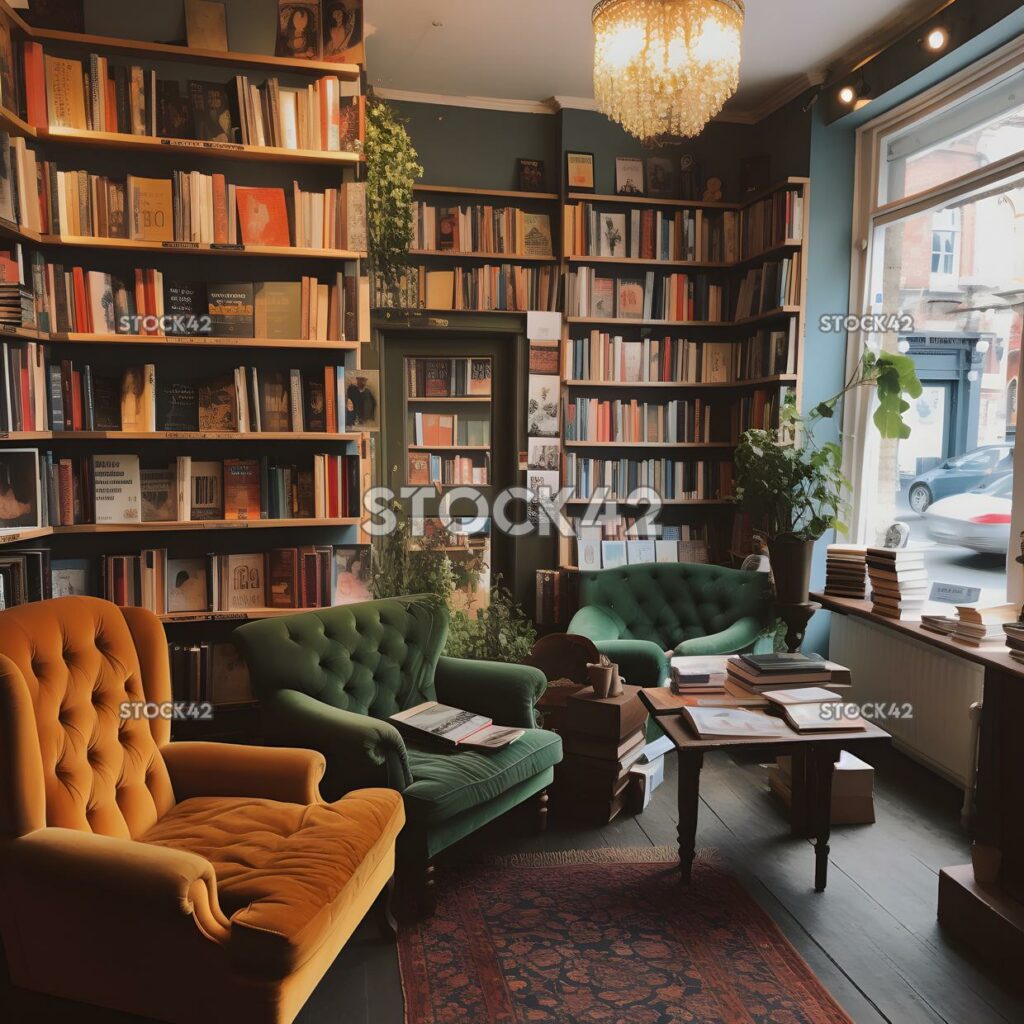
[220, 209]
[27, 413]
[330, 400]
[332, 487]
[82, 319]
[140, 295]
[35, 85]
[149, 286]
[111, 105]
[263, 216]
[65, 480]
[76, 400]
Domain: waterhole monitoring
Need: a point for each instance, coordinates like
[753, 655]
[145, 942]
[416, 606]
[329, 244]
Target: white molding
[474, 102]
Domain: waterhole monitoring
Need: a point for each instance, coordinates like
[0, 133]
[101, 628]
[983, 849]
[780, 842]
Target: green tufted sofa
[637, 613]
[329, 679]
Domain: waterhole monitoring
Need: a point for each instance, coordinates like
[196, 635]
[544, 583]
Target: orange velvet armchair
[188, 882]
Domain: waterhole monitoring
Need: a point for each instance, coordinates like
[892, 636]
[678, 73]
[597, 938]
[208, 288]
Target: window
[945, 246]
[941, 209]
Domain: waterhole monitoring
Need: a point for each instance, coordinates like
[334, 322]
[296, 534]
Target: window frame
[860, 442]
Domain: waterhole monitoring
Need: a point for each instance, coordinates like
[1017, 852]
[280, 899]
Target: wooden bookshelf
[658, 445]
[503, 257]
[278, 164]
[679, 204]
[630, 262]
[487, 193]
[781, 379]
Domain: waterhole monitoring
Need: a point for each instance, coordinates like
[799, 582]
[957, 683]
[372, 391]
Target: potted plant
[791, 485]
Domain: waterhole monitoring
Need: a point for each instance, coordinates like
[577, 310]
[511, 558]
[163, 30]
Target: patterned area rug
[602, 937]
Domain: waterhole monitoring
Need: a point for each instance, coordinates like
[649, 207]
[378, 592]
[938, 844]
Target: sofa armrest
[361, 752]
[227, 769]
[641, 662]
[595, 623]
[507, 694]
[54, 872]
[740, 636]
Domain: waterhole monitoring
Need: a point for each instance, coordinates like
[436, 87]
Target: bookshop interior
[508, 512]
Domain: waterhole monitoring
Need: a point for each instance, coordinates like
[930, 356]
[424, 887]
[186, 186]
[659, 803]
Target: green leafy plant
[392, 168]
[500, 632]
[397, 569]
[793, 485]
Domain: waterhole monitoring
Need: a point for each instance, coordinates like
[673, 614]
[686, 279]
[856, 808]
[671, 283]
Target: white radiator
[893, 669]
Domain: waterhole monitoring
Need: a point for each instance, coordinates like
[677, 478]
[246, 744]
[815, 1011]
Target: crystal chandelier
[665, 67]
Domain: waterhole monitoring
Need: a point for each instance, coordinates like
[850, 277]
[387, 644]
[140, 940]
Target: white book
[733, 723]
[117, 489]
[452, 725]
[804, 695]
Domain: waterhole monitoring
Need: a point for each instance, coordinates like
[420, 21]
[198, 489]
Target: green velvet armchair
[637, 613]
[329, 679]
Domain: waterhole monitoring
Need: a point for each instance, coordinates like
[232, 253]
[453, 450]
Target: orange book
[76, 400]
[263, 216]
[35, 85]
[111, 103]
[81, 303]
[220, 209]
[331, 399]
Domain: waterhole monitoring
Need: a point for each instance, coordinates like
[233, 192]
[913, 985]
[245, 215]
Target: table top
[989, 657]
[679, 732]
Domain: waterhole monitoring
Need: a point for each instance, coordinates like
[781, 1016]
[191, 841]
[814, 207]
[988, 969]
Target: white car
[978, 519]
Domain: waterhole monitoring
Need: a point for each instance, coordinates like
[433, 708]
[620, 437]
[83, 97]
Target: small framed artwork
[629, 176]
[19, 489]
[298, 29]
[661, 177]
[602, 298]
[613, 554]
[579, 172]
[691, 184]
[629, 302]
[613, 235]
[531, 175]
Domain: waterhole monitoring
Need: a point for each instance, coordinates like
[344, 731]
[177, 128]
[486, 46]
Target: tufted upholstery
[247, 883]
[373, 658]
[330, 679]
[670, 606]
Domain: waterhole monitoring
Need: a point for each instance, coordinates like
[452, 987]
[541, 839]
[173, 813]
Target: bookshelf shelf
[31, 533]
[789, 245]
[449, 447]
[199, 341]
[194, 147]
[194, 248]
[693, 204]
[188, 435]
[455, 190]
[630, 262]
[674, 445]
[388, 312]
[627, 322]
[232, 615]
[504, 257]
[771, 314]
[779, 379]
[204, 524]
[481, 400]
[664, 501]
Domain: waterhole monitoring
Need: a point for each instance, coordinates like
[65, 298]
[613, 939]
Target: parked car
[961, 473]
[979, 519]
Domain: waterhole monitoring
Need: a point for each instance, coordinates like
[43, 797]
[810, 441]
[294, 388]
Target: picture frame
[20, 506]
[298, 29]
[629, 176]
[661, 177]
[530, 174]
[342, 27]
[579, 172]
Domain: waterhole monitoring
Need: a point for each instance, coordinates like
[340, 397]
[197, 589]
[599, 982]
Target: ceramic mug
[601, 678]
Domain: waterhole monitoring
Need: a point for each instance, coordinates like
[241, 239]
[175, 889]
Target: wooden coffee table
[814, 757]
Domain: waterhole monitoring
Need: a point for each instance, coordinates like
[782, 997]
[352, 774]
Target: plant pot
[791, 569]
[601, 677]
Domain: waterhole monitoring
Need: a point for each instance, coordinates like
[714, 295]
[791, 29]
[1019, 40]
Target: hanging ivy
[392, 167]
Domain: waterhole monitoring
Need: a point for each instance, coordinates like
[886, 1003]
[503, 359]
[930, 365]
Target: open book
[455, 727]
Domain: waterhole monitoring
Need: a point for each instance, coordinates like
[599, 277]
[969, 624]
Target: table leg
[690, 764]
[820, 765]
[801, 818]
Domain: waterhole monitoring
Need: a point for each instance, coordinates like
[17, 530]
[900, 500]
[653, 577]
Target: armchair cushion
[507, 694]
[740, 636]
[450, 782]
[286, 873]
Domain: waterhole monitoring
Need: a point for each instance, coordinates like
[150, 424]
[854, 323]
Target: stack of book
[758, 673]
[1014, 633]
[899, 582]
[846, 570]
[942, 625]
[213, 672]
[984, 627]
[852, 788]
[602, 740]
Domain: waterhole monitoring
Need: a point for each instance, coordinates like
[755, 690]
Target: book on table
[697, 675]
[455, 727]
[733, 723]
[800, 695]
[664, 701]
[742, 674]
[820, 716]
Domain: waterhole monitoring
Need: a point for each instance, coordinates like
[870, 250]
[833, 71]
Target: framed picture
[343, 31]
[362, 399]
[206, 25]
[531, 175]
[579, 172]
[661, 177]
[613, 235]
[629, 176]
[691, 183]
[298, 30]
[19, 489]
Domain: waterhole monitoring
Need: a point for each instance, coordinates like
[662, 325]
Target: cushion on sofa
[285, 872]
[449, 782]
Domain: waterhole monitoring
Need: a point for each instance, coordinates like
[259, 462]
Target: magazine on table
[455, 726]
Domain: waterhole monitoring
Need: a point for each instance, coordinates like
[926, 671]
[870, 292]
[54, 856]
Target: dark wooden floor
[872, 938]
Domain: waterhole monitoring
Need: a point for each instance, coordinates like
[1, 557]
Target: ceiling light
[666, 67]
[847, 95]
[936, 40]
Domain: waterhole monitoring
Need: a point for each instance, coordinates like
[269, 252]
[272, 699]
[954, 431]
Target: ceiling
[536, 49]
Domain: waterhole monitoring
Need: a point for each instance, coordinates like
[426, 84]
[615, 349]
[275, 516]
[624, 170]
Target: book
[242, 489]
[117, 491]
[185, 304]
[732, 723]
[20, 505]
[243, 582]
[65, 93]
[282, 578]
[159, 488]
[186, 585]
[820, 716]
[138, 399]
[263, 216]
[218, 404]
[828, 673]
[205, 483]
[177, 407]
[231, 309]
[206, 25]
[453, 726]
[151, 202]
[211, 112]
[782, 662]
[70, 577]
[277, 307]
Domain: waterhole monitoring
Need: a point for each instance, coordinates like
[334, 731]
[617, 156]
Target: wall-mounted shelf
[503, 257]
[780, 379]
[493, 193]
[176, 435]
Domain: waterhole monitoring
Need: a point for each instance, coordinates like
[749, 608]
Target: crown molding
[476, 102]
